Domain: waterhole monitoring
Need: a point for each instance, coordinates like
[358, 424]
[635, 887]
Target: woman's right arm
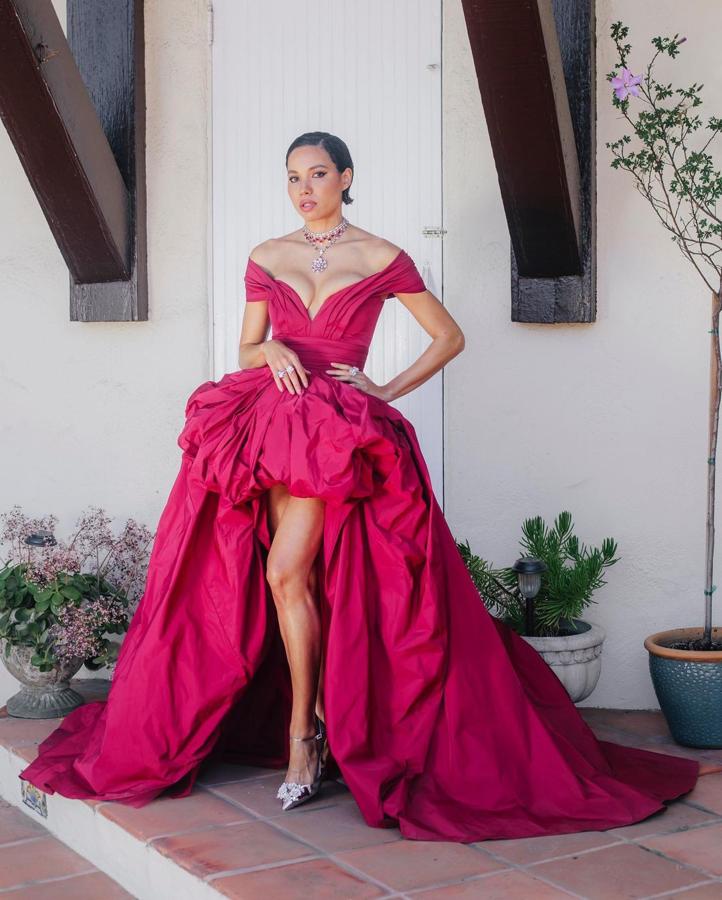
[254, 331]
[255, 351]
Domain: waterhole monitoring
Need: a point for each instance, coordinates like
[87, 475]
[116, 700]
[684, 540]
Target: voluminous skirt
[442, 720]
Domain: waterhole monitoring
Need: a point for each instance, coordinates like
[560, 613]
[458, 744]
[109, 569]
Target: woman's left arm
[447, 342]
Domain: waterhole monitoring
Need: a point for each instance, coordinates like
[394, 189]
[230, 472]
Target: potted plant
[60, 602]
[672, 168]
[571, 573]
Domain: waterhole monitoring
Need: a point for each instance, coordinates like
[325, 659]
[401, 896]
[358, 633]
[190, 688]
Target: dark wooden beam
[534, 61]
[61, 144]
[519, 69]
[107, 40]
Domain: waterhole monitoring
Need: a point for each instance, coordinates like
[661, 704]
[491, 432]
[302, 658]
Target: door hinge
[433, 231]
[209, 7]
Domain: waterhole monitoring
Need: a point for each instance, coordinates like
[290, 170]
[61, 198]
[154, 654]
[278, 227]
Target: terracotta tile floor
[34, 864]
[231, 833]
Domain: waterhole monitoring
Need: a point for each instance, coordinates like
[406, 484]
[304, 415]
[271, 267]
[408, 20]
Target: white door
[370, 73]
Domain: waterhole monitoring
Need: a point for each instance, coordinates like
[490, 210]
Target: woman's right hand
[279, 356]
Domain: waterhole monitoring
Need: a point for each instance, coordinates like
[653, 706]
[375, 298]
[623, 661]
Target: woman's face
[315, 184]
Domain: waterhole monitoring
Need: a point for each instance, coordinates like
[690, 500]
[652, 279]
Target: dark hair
[334, 146]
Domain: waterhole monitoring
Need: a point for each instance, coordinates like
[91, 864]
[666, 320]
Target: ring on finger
[281, 373]
[354, 370]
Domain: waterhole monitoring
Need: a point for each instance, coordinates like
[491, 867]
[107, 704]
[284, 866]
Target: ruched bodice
[318, 353]
[347, 316]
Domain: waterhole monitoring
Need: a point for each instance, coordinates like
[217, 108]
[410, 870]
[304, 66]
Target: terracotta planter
[688, 685]
[576, 659]
[44, 695]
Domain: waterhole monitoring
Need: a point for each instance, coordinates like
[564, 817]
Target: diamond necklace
[319, 262]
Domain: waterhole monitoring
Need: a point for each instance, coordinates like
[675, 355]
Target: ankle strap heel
[293, 793]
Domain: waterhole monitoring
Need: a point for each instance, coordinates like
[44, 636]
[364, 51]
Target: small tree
[682, 185]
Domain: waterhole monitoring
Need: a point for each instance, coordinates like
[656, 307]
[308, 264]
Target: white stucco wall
[608, 420]
[91, 411]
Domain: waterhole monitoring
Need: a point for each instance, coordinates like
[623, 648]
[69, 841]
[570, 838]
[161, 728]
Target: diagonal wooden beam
[518, 64]
[108, 43]
[61, 143]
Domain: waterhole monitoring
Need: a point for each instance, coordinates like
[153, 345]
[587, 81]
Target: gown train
[441, 719]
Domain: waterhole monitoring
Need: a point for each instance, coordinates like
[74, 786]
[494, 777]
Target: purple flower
[626, 83]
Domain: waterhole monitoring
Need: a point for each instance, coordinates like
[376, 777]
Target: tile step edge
[136, 865]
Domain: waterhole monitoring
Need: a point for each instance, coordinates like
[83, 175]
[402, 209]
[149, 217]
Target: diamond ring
[281, 373]
[354, 370]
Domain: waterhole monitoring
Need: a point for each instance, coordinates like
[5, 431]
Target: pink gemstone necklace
[317, 238]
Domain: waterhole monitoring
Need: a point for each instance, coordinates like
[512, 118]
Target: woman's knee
[289, 579]
[294, 549]
[288, 583]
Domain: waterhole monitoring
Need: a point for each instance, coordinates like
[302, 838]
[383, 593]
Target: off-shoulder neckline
[334, 293]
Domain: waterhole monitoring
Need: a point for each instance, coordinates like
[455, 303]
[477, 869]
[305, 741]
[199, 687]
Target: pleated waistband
[315, 352]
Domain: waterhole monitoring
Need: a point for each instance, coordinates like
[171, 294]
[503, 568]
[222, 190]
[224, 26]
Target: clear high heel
[321, 725]
[293, 793]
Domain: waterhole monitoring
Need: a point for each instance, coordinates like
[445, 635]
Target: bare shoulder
[265, 253]
[381, 253]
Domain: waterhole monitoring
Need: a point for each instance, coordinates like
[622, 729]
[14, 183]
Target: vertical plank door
[370, 73]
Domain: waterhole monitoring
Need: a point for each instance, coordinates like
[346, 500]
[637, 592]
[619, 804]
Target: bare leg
[297, 526]
[313, 588]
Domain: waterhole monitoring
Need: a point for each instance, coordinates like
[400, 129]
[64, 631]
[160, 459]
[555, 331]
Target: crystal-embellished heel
[293, 793]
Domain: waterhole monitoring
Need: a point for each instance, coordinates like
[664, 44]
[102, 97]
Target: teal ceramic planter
[688, 685]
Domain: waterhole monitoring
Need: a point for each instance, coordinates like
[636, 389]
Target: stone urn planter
[575, 657]
[688, 685]
[43, 695]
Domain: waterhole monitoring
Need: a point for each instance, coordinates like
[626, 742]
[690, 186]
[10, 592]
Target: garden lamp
[529, 572]
[41, 538]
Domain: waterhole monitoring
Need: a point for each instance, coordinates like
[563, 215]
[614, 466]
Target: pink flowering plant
[670, 157]
[672, 166]
[65, 599]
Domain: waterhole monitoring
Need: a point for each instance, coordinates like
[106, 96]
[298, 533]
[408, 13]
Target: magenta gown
[442, 720]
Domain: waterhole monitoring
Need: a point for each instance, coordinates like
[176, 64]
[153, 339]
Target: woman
[304, 585]
[317, 185]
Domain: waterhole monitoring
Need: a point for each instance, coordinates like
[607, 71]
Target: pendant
[318, 264]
